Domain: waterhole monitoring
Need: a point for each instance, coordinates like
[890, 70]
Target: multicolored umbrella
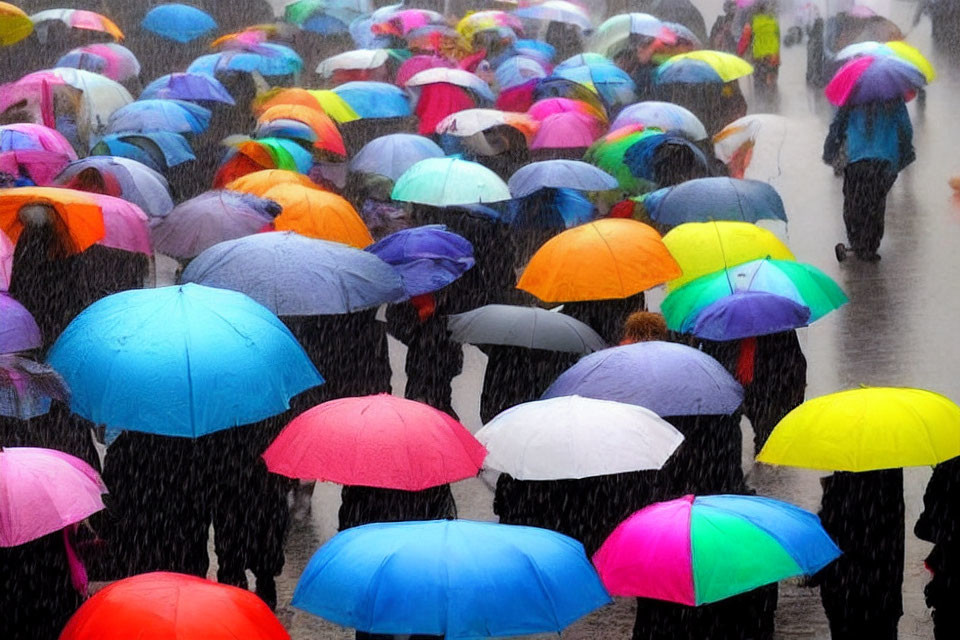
[613, 35]
[665, 116]
[80, 218]
[706, 199]
[75, 19]
[15, 25]
[608, 153]
[426, 258]
[697, 550]
[183, 343]
[320, 100]
[747, 314]
[175, 116]
[269, 59]
[40, 151]
[393, 154]
[703, 66]
[609, 81]
[19, 331]
[122, 178]
[327, 134]
[527, 327]
[197, 87]
[536, 580]
[559, 174]
[110, 59]
[27, 387]
[473, 23]
[318, 214]
[375, 99]
[894, 48]
[874, 79]
[444, 182]
[248, 156]
[867, 429]
[471, 122]
[159, 150]
[178, 22]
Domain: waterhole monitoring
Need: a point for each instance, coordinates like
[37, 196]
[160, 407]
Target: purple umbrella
[667, 378]
[26, 387]
[18, 330]
[210, 218]
[427, 258]
[121, 178]
[196, 87]
[391, 155]
[747, 314]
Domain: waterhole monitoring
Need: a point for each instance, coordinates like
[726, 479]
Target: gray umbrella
[529, 327]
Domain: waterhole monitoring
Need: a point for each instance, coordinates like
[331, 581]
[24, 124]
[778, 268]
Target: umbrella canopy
[319, 99]
[259, 182]
[15, 25]
[27, 387]
[353, 60]
[602, 260]
[572, 437]
[248, 156]
[470, 122]
[19, 331]
[159, 150]
[426, 258]
[457, 77]
[269, 59]
[609, 81]
[536, 580]
[559, 174]
[212, 217]
[867, 429]
[6, 261]
[328, 136]
[541, 109]
[27, 136]
[318, 214]
[642, 158]
[444, 182]
[706, 199]
[568, 130]
[177, 116]
[282, 128]
[613, 35]
[666, 116]
[376, 441]
[701, 248]
[125, 225]
[294, 275]
[393, 154]
[667, 378]
[375, 99]
[556, 11]
[75, 19]
[894, 48]
[697, 550]
[173, 606]
[122, 178]
[874, 79]
[80, 217]
[110, 59]
[474, 23]
[609, 151]
[703, 66]
[178, 22]
[752, 144]
[518, 70]
[44, 491]
[182, 343]
[528, 327]
[187, 86]
[747, 314]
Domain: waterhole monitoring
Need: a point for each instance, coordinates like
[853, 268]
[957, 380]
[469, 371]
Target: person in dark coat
[748, 616]
[861, 590]
[606, 317]
[515, 375]
[940, 524]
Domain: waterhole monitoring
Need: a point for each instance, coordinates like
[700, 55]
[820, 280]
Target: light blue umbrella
[178, 22]
[375, 99]
[187, 86]
[518, 70]
[614, 85]
[454, 578]
[706, 199]
[159, 150]
[175, 116]
[180, 361]
[269, 60]
[559, 174]
[293, 275]
[666, 116]
[393, 154]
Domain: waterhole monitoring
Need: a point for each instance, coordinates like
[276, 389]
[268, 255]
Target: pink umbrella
[40, 137]
[541, 109]
[121, 64]
[6, 261]
[414, 65]
[40, 166]
[568, 130]
[376, 441]
[44, 491]
[125, 225]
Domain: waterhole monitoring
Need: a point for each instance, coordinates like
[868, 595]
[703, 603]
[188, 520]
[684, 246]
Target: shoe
[841, 252]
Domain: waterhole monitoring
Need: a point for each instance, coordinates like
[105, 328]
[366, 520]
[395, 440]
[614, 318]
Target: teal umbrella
[445, 182]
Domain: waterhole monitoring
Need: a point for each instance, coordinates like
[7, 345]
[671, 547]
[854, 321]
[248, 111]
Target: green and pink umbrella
[697, 550]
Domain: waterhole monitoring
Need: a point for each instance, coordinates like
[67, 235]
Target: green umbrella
[445, 182]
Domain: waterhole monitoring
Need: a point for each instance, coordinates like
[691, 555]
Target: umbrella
[754, 143]
[556, 11]
[458, 77]
[609, 81]
[557, 87]
[75, 19]
[374, 99]
[172, 606]
[15, 25]
[444, 182]
[894, 48]
[393, 154]
[528, 327]
[747, 314]
[6, 262]
[120, 177]
[187, 86]
[426, 258]
[319, 100]
[110, 59]
[542, 51]
[706, 199]
[642, 158]
[601, 260]
[212, 217]
[704, 247]
[703, 66]
[175, 116]
[27, 387]
[359, 59]
[282, 128]
[542, 109]
[269, 59]
[415, 64]
[248, 156]
[666, 116]
[403, 21]
[125, 225]
[376, 441]
[471, 122]
[318, 214]
[183, 343]
[667, 378]
[178, 22]
[613, 35]
[328, 136]
[302, 12]
[259, 182]
[874, 79]
[568, 130]
[519, 70]
[79, 216]
[26, 136]
[474, 23]
[559, 174]
[426, 576]
[697, 550]
[572, 437]
[867, 429]
[159, 150]
[44, 491]
[608, 153]
[19, 331]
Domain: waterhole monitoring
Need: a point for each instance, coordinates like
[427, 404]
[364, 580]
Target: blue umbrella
[536, 48]
[393, 154]
[639, 157]
[427, 258]
[518, 70]
[706, 199]
[325, 24]
[159, 150]
[178, 22]
[180, 361]
[269, 60]
[550, 209]
[175, 116]
[454, 578]
[293, 275]
[747, 314]
[85, 60]
[375, 99]
[187, 86]
[614, 85]
[667, 378]
[557, 174]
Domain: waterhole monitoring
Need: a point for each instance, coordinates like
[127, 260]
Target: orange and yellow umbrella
[259, 182]
[79, 217]
[15, 25]
[602, 260]
[318, 214]
[328, 137]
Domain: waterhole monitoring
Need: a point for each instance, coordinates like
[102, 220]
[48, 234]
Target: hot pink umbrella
[40, 166]
[125, 225]
[414, 65]
[567, 130]
[25, 135]
[376, 441]
[6, 261]
[44, 491]
[542, 109]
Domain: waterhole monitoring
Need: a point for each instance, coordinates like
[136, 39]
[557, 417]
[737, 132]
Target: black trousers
[865, 187]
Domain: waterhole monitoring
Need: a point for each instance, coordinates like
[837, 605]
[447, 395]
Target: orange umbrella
[78, 215]
[328, 137]
[259, 182]
[603, 260]
[288, 96]
[318, 214]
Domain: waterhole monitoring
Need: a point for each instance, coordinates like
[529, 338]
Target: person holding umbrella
[940, 524]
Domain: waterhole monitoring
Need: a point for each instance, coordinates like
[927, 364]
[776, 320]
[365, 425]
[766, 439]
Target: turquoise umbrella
[445, 182]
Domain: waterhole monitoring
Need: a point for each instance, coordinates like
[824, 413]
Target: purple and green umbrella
[197, 87]
[426, 258]
[698, 550]
[18, 331]
[748, 314]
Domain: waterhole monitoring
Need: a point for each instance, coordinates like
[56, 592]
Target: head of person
[644, 326]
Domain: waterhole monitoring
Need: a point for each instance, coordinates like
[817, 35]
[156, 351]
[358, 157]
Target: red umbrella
[376, 441]
[172, 606]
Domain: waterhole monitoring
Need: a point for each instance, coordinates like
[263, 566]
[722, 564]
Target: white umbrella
[572, 437]
[353, 60]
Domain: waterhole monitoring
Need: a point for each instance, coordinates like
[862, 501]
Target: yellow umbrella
[728, 66]
[704, 247]
[15, 25]
[867, 429]
[903, 50]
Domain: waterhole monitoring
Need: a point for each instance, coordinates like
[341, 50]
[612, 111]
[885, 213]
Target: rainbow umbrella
[197, 87]
[608, 153]
[445, 182]
[15, 25]
[704, 66]
[666, 116]
[697, 550]
[874, 79]
[178, 22]
[75, 19]
[894, 48]
[110, 59]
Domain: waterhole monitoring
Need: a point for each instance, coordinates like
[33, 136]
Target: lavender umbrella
[18, 329]
[427, 258]
[177, 116]
[26, 387]
[393, 154]
[747, 314]
[210, 218]
[122, 178]
[195, 87]
[559, 174]
[667, 378]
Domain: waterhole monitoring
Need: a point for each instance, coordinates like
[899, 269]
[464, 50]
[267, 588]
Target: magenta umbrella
[567, 130]
[415, 64]
[6, 261]
[125, 225]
